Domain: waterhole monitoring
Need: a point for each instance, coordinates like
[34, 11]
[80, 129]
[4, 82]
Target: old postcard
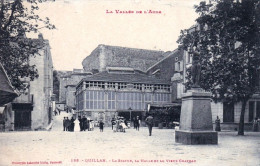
[129, 82]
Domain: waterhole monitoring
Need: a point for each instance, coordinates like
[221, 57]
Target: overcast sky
[84, 24]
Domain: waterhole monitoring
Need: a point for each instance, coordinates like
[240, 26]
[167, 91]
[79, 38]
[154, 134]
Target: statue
[195, 70]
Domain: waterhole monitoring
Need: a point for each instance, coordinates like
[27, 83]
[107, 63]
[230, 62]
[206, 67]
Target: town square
[135, 82]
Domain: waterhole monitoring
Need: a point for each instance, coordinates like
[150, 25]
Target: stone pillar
[84, 96]
[196, 119]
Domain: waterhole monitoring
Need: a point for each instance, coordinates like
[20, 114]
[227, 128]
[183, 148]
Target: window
[95, 100]
[189, 58]
[111, 102]
[251, 111]
[162, 97]
[228, 112]
[179, 66]
[80, 101]
[129, 99]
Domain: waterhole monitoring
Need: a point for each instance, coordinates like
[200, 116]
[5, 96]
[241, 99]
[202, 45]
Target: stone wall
[41, 89]
[70, 96]
[112, 56]
[166, 65]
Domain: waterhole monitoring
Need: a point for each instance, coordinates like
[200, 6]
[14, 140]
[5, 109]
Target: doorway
[22, 120]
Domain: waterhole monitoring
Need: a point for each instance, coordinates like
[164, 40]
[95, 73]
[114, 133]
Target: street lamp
[130, 109]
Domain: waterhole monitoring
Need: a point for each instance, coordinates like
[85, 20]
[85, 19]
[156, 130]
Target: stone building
[168, 67]
[114, 56]
[120, 91]
[229, 113]
[32, 110]
[68, 87]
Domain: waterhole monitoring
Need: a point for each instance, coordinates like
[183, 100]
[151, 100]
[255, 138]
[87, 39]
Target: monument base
[196, 137]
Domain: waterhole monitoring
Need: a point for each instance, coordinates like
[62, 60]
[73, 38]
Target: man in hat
[149, 122]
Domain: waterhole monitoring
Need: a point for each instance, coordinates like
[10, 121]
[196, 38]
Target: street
[57, 147]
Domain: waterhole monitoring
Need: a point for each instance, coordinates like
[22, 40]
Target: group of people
[85, 124]
[68, 124]
[137, 123]
[119, 124]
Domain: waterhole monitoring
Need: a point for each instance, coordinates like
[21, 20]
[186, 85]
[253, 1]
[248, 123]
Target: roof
[7, 93]
[136, 77]
[176, 52]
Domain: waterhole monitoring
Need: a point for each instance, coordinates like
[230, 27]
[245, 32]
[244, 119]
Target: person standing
[101, 125]
[217, 123]
[255, 125]
[149, 122]
[64, 123]
[138, 121]
[84, 121]
[113, 122]
[67, 124]
[72, 124]
[134, 122]
[80, 123]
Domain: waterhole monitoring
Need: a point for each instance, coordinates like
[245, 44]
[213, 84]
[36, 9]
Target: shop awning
[7, 93]
[162, 105]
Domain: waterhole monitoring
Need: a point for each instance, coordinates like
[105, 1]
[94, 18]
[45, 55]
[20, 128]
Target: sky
[84, 24]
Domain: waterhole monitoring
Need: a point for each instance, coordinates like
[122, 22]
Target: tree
[16, 19]
[227, 36]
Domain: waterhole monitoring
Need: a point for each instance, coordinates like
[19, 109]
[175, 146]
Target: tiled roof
[136, 77]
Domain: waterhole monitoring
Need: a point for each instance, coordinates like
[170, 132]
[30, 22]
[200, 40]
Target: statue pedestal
[196, 119]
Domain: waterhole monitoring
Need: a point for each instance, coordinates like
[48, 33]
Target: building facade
[168, 67]
[69, 78]
[32, 110]
[68, 87]
[120, 91]
[114, 56]
[229, 113]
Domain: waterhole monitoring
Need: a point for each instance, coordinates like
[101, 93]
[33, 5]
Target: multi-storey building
[120, 91]
[68, 87]
[32, 110]
[229, 113]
